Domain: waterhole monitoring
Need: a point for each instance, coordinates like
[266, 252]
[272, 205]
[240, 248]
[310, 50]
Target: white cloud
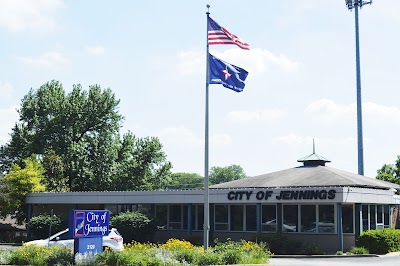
[256, 61]
[293, 139]
[180, 136]
[46, 59]
[187, 138]
[330, 111]
[8, 118]
[256, 116]
[6, 89]
[29, 15]
[220, 139]
[189, 62]
[96, 50]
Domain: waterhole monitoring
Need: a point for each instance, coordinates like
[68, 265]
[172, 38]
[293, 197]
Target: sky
[152, 54]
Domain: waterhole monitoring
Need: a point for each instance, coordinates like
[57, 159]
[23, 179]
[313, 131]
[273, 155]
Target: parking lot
[386, 260]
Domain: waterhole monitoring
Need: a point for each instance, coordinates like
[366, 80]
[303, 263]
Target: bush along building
[312, 203]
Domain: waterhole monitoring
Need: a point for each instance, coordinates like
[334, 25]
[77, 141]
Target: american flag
[220, 35]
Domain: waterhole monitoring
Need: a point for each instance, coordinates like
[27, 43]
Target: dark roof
[307, 176]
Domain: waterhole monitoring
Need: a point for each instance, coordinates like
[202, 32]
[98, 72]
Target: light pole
[355, 4]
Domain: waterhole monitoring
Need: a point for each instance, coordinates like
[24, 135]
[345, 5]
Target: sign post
[88, 227]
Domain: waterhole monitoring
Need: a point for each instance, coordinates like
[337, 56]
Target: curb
[322, 256]
[10, 244]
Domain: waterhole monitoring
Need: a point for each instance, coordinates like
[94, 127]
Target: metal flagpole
[206, 192]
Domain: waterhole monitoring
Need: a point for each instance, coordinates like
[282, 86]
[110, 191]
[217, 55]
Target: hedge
[380, 241]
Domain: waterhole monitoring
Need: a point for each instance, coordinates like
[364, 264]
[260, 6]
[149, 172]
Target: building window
[326, 218]
[221, 220]
[236, 218]
[308, 218]
[268, 218]
[162, 216]
[372, 217]
[194, 218]
[251, 217]
[290, 218]
[365, 219]
[347, 219]
[386, 216]
[185, 212]
[375, 217]
[175, 217]
[200, 217]
[112, 208]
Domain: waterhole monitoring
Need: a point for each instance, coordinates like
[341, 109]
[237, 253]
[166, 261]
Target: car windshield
[116, 231]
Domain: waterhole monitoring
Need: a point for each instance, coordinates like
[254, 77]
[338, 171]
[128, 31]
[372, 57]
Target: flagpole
[206, 192]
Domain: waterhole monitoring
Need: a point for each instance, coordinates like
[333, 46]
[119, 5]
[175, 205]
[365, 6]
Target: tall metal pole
[355, 4]
[206, 192]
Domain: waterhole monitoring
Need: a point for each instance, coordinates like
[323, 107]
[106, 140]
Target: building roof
[307, 176]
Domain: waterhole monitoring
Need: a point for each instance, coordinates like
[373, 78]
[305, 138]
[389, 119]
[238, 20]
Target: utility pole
[356, 4]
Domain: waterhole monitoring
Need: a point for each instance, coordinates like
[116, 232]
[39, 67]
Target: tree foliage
[225, 174]
[77, 135]
[186, 181]
[16, 184]
[55, 179]
[390, 172]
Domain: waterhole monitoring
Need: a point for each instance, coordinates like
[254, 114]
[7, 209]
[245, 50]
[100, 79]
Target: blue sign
[89, 223]
[91, 245]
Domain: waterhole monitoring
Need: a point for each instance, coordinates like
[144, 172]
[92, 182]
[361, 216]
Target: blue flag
[230, 76]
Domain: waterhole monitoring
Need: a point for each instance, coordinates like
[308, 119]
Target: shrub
[359, 250]
[40, 225]
[60, 256]
[380, 241]
[41, 256]
[209, 258]
[134, 226]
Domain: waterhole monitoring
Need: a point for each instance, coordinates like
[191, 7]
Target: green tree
[390, 172]
[186, 181]
[16, 184]
[142, 164]
[225, 174]
[55, 179]
[77, 134]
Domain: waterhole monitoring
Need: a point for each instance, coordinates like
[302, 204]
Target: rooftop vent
[313, 159]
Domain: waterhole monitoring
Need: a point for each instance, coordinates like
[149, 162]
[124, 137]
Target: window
[372, 217]
[347, 218]
[326, 221]
[185, 217]
[308, 218]
[386, 216]
[175, 217]
[162, 216]
[290, 218]
[365, 220]
[375, 217]
[268, 218]
[221, 217]
[200, 217]
[251, 217]
[236, 218]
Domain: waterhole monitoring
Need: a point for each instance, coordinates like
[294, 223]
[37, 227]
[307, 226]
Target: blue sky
[301, 82]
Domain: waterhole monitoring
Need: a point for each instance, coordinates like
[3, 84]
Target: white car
[113, 241]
